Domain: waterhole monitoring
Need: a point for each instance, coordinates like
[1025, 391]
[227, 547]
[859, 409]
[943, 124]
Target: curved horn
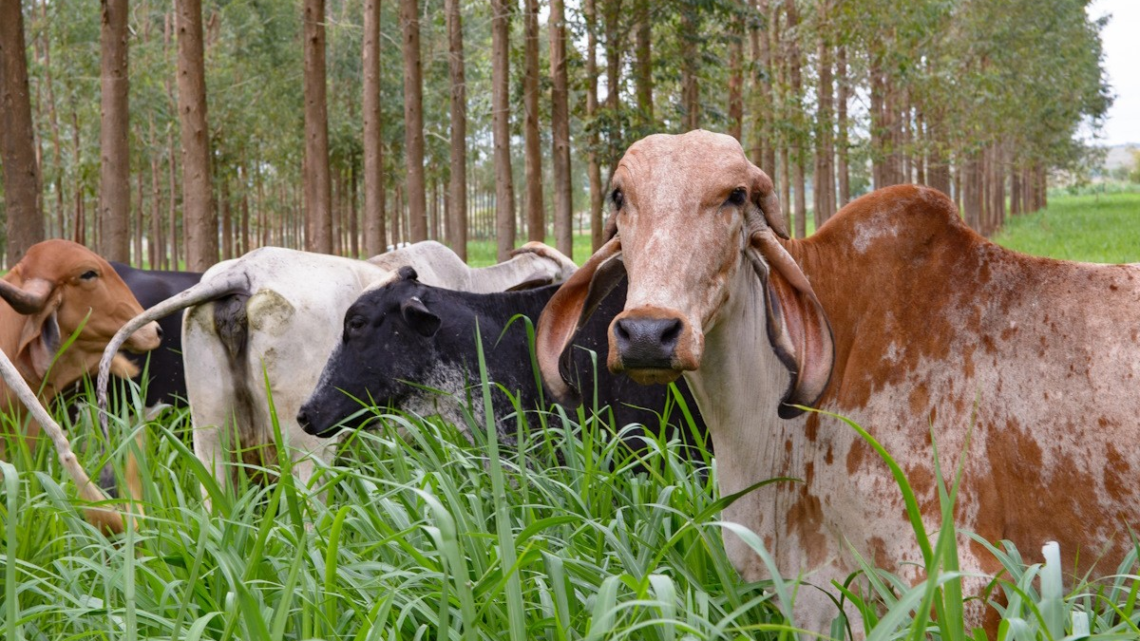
[29, 299]
[227, 283]
[107, 518]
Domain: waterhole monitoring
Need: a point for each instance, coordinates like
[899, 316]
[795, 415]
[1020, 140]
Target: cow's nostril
[159, 331]
[303, 419]
[671, 332]
[621, 331]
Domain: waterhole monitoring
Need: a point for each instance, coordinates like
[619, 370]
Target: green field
[1092, 228]
[481, 253]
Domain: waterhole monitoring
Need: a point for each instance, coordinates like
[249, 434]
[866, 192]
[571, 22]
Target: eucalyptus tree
[560, 131]
[413, 120]
[114, 136]
[21, 169]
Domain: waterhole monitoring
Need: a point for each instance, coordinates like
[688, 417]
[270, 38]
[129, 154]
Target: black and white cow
[166, 374]
[406, 341]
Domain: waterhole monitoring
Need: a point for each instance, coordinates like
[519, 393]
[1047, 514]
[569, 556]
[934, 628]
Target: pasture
[425, 536]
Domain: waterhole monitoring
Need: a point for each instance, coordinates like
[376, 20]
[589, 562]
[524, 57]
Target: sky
[1122, 60]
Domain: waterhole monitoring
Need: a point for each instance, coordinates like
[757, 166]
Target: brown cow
[57, 288]
[937, 332]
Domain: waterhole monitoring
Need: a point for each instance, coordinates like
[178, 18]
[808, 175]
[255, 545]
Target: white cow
[276, 314]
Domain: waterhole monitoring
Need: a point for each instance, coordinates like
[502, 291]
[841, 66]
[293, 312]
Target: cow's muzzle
[311, 421]
[651, 346]
[147, 338]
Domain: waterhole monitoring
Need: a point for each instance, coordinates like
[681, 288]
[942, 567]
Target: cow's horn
[228, 283]
[29, 300]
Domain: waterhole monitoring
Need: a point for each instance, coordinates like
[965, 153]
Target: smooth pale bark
[413, 121]
[501, 128]
[199, 220]
[114, 135]
[21, 171]
[560, 132]
[317, 176]
[457, 186]
[535, 212]
[375, 239]
[593, 170]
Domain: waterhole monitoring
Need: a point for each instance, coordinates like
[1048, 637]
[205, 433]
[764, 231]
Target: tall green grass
[425, 535]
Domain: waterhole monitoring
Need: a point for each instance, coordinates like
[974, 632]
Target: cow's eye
[737, 196]
[618, 199]
[90, 274]
[355, 324]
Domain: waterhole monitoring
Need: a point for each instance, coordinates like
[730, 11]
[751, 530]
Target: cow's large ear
[797, 325]
[424, 321]
[571, 305]
[763, 194]
[39, 342]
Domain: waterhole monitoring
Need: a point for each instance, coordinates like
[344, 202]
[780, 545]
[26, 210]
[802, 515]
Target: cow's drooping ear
[407, 272]
[419, 317]
[568, 309]
[39, 342]
[763, 194]
[797, 325]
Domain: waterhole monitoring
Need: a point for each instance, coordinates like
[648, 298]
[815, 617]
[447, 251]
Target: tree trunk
[140, 227]
[611, 15]
[642, 65]
[413, 121]
[317, 176]
[457, 220]
[199, 220]
[690, 89]
[243, 175]
[172, 205]
[157, 251]
[593, 170]
[21, 172]
[761, 137]
[824, 175]
[500, 108]
[736, 79]
[374, 237]
[114, 133]
[535, 212]
[799, 151]
[841, 143]
[227, 217]
[560, 132]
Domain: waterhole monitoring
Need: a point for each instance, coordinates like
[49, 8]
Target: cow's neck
[738, 395]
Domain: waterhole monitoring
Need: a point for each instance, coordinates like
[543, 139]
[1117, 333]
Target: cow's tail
[224, 284]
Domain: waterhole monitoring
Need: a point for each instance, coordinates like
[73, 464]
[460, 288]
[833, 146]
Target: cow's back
[1026, 368]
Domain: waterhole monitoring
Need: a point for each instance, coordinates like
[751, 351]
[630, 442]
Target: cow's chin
[653, 376]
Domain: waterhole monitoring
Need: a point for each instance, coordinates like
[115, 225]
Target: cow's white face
[680, 204]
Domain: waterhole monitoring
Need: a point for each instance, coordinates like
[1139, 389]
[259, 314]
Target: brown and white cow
[57, 289]
[925, 329]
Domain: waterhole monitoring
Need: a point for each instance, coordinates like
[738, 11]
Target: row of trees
[183, 133]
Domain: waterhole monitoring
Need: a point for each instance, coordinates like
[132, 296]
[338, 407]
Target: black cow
[167, 382]
[405, 336]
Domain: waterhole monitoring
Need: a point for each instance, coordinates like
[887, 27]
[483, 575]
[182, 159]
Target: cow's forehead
[691, 163]
[57, 259]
